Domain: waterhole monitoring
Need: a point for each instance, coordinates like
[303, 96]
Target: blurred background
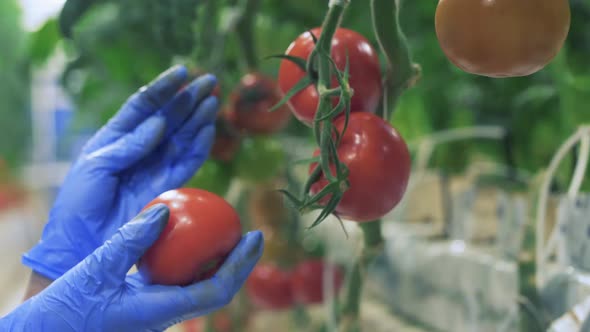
[481, 146]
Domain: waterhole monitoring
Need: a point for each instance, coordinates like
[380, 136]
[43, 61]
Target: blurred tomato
[227, 139]
[307, 281]
[202, 230]
[213, 176]
[250, 103]
[259, 159]
[502, 38]
[268, 287]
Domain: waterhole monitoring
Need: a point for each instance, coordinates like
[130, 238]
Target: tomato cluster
[373, 151]
[271, 288]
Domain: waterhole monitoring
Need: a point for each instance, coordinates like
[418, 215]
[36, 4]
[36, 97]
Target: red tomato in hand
[268, 287]
[307, 281]
[365, 73]
[250, 103]
[379, 164]
[201, 232]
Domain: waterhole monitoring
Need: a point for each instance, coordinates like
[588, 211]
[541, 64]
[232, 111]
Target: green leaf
[43, 42]
[302, 84]
[300, 62]
[306, 161]
[71, 13]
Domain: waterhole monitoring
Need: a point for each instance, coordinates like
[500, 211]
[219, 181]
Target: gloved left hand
[98, 295]
[156, 142]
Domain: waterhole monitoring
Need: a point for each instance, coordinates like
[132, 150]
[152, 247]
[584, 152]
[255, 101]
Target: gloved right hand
[155, 143]
[98, 295]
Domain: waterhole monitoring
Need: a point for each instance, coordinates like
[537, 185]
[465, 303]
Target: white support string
[542, 250]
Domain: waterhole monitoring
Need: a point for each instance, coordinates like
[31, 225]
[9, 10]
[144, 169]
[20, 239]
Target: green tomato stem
[245, 32]
[401, 72]
[350, 310]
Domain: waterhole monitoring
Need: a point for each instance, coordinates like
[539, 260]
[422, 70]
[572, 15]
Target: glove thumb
[117, 255]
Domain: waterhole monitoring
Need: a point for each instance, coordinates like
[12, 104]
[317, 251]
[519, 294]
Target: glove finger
[130, 148]
[167, 305]
[116, 256]
[139, 106]
[184, 104]
[189, 147]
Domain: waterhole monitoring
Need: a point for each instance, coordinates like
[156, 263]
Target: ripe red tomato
[379, 164]
[307, 281]
[227, 139]
[250, 103]
[268, 287]
[365, 73]
[202, 230]
[502, 38]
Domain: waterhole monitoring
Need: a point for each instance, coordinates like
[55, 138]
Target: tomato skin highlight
[365, 73]
[502, 38]
[201, 232]
[250, 103]
[379, 167]
[268, 287]
[307, 281]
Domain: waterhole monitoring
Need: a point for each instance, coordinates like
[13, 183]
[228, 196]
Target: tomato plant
[502, 38]
[268, 287]
[250, 103]
[259, 159]
[379, 164]
[307, 281]
[201, 231]
[213, 176]
[227, 139]
[365, 72]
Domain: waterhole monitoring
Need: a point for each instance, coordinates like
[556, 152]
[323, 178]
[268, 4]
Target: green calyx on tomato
[213, 176]
[347, 46]
[259, 159]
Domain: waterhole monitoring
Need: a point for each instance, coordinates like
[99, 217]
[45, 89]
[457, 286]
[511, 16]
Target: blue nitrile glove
[155, 143]
[97, 295]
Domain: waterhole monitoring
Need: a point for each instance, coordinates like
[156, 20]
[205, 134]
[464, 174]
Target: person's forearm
[37, 283]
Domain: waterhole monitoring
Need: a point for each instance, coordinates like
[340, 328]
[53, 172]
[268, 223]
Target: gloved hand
[97, 295]
[155, 143]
